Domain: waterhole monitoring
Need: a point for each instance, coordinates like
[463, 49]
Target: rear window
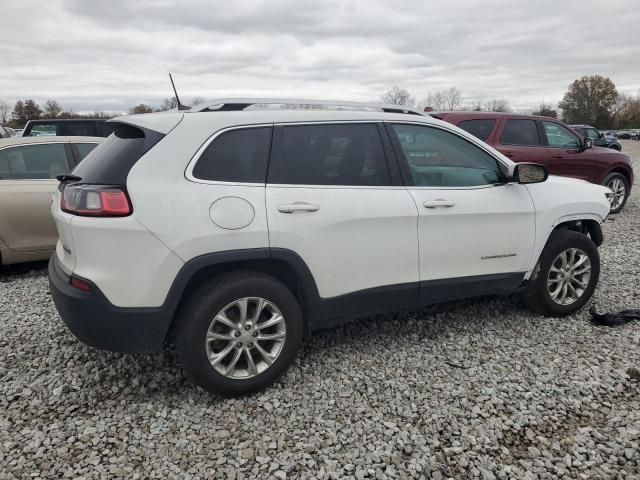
[76, 129]
[520, 132]
[480, 128]
[110, 162]
[236, 156]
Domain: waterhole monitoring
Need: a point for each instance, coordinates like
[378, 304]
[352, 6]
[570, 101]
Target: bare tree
[476, 105]
[434, 100]
[5, 112]
[546, 110]
[141, 108]
[51, 109]
[398, 96]
[449, 99]
[168, 104]
[452, 98]
[497, 105]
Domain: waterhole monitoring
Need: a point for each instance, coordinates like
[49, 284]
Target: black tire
[612, 176]
[613, 146]
[537, 295]
[195, 317]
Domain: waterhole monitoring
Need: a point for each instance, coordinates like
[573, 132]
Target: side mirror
[587, 143]
[529, 173]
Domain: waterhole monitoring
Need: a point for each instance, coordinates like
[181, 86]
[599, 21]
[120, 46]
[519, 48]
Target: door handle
[438, 202]
[507, 154]
[298, 207]
[557, 155]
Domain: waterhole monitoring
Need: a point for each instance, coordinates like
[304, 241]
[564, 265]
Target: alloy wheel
[245, 338]
[569, 276]
[618, 192]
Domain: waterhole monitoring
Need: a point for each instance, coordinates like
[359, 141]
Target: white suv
[240, 226]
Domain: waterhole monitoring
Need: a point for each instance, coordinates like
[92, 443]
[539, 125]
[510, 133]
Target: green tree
[589, 100]
[52, 109]
[141, 108]
[25, 111]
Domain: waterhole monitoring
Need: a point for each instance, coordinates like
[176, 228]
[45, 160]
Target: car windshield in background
[43, 130]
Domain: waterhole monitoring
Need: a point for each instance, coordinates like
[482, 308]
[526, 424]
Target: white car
[242, 228]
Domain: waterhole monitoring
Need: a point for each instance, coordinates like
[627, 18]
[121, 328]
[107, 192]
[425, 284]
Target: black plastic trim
[100, 324]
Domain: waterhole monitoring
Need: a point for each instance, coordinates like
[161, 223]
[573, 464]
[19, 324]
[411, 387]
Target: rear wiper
[68, 178]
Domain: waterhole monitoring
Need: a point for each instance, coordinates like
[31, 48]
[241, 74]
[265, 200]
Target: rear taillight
[95, 200]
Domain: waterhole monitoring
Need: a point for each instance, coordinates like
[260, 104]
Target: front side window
[559, 136]
[330, 154]
[480, 128]
[33, 162]
[240, 155]
[593, 134]
[520, 132]
[437, 158]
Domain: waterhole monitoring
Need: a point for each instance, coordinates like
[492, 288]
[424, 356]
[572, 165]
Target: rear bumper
[99, 324]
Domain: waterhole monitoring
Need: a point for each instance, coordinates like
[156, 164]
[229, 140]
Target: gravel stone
[478, 389]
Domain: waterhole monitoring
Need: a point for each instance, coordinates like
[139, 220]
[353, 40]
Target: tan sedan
[28, 170]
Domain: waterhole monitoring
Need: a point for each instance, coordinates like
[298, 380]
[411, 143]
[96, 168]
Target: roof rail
[238, 104]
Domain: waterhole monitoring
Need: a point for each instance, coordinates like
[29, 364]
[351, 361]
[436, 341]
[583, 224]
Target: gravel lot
[474, 389]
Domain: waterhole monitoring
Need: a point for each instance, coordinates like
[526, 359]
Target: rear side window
[236, 156]
[110, 162]
[338, 154]
[84, 148]
[520, 132]
[33, 162]
[480, 128]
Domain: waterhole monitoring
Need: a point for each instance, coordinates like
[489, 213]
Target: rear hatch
[106, 166]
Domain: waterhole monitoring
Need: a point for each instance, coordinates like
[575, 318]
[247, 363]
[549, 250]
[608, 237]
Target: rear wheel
[566, 274]
[238, 333]
[619, 186]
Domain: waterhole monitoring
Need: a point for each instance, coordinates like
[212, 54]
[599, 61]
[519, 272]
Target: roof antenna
[180, 106]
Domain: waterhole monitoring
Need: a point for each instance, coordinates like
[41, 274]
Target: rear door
[567, 157]
[27, 186]
[334, 198]
[520, 139]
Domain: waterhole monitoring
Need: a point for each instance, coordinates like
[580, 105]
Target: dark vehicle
[68, 128]
[531, 138]
[599, 138]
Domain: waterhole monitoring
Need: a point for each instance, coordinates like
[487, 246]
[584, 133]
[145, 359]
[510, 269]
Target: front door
[27, 185]
[331, 200]
[567, 157]
[476, 234]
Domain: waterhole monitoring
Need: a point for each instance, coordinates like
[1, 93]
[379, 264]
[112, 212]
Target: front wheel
[238, 333]
[566, 275]
[619, 186]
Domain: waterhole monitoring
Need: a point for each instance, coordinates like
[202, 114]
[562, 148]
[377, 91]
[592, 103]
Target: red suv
[530, 138]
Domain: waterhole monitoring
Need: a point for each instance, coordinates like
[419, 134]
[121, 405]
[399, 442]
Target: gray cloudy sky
[110, 55]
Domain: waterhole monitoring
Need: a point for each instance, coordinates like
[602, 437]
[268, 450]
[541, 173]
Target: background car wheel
[615, 147]
[566, 274]
[238, 333]
[619, 186]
